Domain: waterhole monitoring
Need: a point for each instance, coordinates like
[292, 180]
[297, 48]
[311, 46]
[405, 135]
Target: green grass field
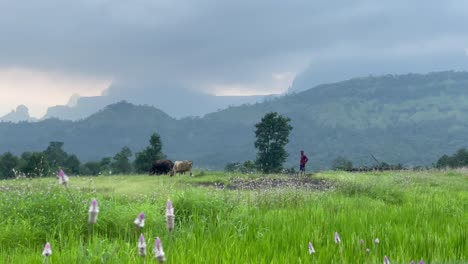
[414, 215]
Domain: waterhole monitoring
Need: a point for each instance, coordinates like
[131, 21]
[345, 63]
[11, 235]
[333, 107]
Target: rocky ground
[270, 183]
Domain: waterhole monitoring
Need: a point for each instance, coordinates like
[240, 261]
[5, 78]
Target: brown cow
[182, 167]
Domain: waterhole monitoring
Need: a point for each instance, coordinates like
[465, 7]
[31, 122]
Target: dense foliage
[457, 160]
[272, 135]
[248, 166]
[8, 164]
[121, 162]
[153, 152]
[53, 158]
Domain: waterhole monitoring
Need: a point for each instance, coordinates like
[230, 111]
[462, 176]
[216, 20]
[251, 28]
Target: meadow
[236, 218]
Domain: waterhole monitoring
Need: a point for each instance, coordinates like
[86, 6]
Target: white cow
[182, 167]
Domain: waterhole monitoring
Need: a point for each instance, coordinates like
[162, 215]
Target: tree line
[457, 160]
[48, 162]
[272, 135]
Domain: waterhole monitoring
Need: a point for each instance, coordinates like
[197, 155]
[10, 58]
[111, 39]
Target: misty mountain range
[411, 119]
[180, 103]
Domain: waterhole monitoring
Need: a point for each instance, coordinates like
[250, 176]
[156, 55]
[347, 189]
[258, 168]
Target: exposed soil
[268, 183]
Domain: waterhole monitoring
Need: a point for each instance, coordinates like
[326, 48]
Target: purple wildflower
[337, 238]
[421, 262]
[140, 220]
[386, 260]
[169, 215]
[142, 246]
[311, 248]
[158, 250]
[63, 178]
[93, 212]
[47, 250]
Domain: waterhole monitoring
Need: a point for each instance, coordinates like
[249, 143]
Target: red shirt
[304, 159]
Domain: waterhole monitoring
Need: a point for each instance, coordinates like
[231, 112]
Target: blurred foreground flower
[158, 250]
[367, 251]
[93, 212]
[337, 238]
[63, 178]
[361, 242]
[47, 250]
[142, 246]
[421, 262]
[170, 215]
[140, 220]
[376, 241]
[386, 260]
[311, 248]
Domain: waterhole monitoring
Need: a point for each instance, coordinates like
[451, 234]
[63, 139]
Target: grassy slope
[414, 214]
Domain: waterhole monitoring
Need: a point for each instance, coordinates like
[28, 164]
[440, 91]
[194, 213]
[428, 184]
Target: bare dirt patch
[271, 183]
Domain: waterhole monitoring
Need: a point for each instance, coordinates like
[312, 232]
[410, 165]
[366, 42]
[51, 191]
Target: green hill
[411, 119]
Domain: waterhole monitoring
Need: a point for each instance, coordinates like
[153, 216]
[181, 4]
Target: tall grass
[414, 214]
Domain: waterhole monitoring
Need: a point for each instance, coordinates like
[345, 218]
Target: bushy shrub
[457, 160]
[246, 167]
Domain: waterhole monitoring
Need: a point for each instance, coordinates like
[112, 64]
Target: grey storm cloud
[189, 44]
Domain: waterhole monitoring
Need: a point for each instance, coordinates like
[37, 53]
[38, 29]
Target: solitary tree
[55, 155]
[272, 134]
[153, 152]
[121, 162]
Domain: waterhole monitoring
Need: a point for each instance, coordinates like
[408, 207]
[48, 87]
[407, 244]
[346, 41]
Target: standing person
[302, 163]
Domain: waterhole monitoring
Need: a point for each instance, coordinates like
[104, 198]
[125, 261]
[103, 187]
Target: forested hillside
[411, 119]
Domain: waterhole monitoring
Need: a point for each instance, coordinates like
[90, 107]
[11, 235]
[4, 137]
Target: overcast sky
[51, 49]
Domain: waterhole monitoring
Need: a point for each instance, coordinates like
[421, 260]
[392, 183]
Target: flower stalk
[158, 250]
[170, 215]
[140, 220]
[93, 212]
[142, 246]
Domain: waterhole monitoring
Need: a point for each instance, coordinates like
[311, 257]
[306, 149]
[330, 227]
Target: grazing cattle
[161, 167]
[182, 167]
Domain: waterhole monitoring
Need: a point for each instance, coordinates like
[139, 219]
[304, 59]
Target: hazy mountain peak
[73, 101]
[78, 107]
[20, 114]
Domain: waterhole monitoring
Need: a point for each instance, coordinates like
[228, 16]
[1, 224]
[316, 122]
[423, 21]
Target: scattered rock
[270, 183]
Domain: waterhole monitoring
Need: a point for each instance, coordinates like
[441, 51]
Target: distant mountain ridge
[20, 114]
[178, 103]
[81, 108]
[411, 119]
